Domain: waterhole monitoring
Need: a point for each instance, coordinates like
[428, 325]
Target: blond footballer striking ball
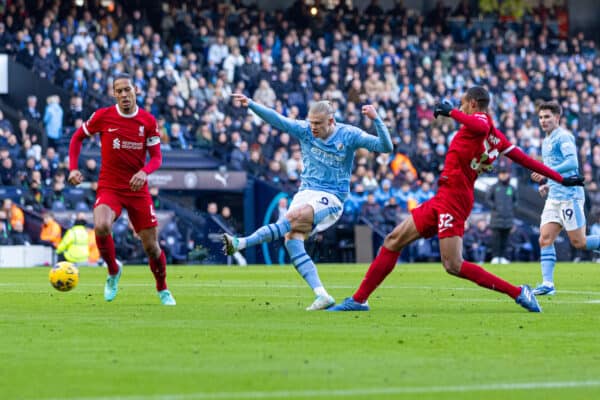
[64, 276]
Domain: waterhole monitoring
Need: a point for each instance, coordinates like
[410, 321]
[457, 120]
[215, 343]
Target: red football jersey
[125, 140]
[472, 151]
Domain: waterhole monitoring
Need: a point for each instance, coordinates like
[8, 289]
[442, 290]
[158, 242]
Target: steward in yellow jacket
[74, 244]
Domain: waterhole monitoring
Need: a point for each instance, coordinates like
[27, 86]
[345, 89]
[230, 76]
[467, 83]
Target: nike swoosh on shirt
[112, 129]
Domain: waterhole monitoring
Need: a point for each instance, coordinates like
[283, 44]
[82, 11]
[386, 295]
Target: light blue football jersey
[327, 163]
[560, 153]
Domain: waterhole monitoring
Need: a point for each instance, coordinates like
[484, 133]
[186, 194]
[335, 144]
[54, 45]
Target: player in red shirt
[473, 150]
[127, 133]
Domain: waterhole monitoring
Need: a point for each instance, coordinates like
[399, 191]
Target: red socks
[381, 266]
[106, 246]
[386, 260]
[159, 270]
[485, 279]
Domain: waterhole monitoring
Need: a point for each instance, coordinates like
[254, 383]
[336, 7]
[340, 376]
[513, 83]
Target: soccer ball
[64, 276]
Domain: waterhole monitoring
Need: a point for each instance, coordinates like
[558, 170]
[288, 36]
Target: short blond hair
[321, 107]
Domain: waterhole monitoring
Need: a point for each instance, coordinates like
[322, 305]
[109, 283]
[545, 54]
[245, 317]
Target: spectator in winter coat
[502, 197]
[51, 232]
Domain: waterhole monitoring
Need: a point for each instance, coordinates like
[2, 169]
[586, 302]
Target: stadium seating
[426, 55]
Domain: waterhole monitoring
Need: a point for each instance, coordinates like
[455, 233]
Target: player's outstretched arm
[272, 117]
[383, 142]
[475, 123]
[518, 156]
[75, 176]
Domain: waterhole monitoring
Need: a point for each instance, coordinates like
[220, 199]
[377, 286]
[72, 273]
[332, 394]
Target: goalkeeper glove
[443, 109]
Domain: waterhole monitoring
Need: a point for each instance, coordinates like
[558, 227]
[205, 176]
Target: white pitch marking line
[290, 394]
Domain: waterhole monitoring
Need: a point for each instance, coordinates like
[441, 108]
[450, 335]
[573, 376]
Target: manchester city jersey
[560, 153]
[328, 163]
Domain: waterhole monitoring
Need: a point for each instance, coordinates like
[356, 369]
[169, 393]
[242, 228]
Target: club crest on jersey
[116, 143]
[141, 131]
[339, 146]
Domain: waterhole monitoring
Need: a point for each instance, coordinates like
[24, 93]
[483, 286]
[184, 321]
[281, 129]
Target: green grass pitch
[242, 333]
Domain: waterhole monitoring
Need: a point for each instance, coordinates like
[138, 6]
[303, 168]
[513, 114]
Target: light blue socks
[548, 258]
[303, 263]
[592, 242]
[266, 233]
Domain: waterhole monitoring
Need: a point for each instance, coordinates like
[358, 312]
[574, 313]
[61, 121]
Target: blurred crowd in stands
[398, 59]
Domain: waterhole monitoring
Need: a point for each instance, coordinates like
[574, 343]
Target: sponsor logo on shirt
[328, 158]
[127, 145]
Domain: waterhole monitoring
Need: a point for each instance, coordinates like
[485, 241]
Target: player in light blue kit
[564, 205]
[327, 154]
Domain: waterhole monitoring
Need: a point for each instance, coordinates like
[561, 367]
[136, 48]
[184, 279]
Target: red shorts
[444, 214]
[138, 205]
